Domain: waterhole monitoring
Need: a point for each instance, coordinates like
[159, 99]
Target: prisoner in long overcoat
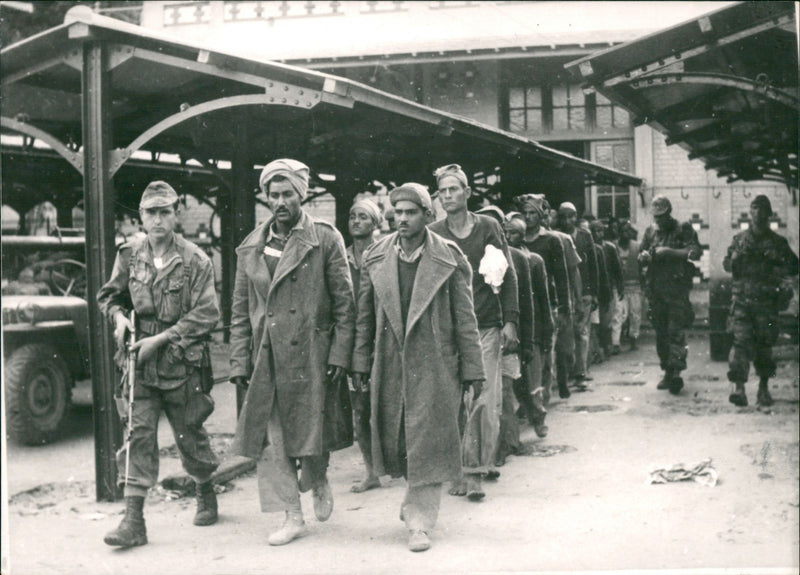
[303, 317]
[418, 367]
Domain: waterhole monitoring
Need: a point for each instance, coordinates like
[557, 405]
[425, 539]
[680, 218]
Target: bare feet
[366, 484]
[474, 490]
[458, 489]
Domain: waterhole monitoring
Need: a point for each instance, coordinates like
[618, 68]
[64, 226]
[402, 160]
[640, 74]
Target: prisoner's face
[360, 224]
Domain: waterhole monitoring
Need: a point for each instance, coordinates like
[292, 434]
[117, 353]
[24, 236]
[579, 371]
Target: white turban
[296, 173]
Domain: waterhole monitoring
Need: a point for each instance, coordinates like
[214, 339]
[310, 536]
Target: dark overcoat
[286, 329]
[418, 365]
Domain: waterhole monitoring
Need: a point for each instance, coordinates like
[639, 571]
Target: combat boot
[676, 385]
[738, 397]
[763, 398]
[665, 381]
[206, 504]
[131, 531]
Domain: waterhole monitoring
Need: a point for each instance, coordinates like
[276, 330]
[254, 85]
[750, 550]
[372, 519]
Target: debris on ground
[532, 449]
[703, 473]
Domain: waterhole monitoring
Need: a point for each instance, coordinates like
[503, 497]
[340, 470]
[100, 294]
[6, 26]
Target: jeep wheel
[38, 389]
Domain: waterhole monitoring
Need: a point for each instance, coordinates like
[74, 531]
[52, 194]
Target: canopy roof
[168, 96]
[723, 86]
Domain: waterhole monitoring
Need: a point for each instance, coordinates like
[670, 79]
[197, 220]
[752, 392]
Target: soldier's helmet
[661, 205]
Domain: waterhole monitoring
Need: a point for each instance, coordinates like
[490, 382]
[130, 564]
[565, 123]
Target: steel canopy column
[239, 218]
[99, 198]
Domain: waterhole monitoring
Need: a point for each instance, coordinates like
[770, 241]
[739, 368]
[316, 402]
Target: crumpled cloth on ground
[493, 267]
[703, 473]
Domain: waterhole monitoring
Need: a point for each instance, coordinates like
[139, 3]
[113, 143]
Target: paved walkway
[579, 502]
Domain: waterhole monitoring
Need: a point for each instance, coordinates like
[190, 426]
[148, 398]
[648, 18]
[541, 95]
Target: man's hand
[508, 337]
[336, 375]
[148, 347]
[644, 258]
[122, 325]
[240, 381]
[662, 251]
[476, 385]
[361, 382]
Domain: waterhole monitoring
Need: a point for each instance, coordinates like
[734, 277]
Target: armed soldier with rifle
[166, 284]
[667, 250]
[762, 263]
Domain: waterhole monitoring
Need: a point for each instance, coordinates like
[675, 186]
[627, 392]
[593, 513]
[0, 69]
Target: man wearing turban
[292, 324]
[365, 218]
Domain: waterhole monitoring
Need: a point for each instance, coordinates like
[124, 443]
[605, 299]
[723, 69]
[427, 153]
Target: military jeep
[45, 333]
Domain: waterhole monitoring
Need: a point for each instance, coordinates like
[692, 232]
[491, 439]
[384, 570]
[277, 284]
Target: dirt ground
[578, 501]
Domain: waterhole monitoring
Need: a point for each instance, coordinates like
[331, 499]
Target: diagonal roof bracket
[74, 158]
[726, 80]
[119, 156]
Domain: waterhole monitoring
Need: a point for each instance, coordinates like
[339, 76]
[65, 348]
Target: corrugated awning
[723, 86]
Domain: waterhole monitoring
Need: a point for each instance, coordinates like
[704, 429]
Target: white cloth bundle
[493, 267]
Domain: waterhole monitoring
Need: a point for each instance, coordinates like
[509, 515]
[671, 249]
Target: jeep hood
[39, 308]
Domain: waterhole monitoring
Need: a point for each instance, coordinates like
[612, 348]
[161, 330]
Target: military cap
[763, 201]
[158, 194]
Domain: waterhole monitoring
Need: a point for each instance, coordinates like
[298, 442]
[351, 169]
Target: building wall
[469, 89]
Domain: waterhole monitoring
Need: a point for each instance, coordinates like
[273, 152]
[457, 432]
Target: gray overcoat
[417, 367]
[285, 331]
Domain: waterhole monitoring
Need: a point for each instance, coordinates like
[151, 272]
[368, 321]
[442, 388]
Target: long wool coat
[417, 367]
[285, 331]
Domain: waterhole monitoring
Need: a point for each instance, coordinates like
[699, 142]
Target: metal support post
[241, 215]
[98, 196]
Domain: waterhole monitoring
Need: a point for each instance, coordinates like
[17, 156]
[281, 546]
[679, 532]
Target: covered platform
[723, 86]
[101, 93]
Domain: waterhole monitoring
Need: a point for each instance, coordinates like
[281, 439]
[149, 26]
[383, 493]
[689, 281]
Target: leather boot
[131, 531]
[666, 380]
[206, 504]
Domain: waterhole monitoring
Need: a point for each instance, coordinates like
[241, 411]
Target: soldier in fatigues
[666, 250]
[169, 282]
[761, 261]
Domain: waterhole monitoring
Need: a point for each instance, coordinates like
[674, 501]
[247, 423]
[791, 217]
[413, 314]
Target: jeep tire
[38, 390]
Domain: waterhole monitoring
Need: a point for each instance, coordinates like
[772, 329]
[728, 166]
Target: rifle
[131, 381]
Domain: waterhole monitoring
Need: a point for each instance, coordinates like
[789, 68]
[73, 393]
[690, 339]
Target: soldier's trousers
[186, 407]
[671, 315]
[755, 330]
